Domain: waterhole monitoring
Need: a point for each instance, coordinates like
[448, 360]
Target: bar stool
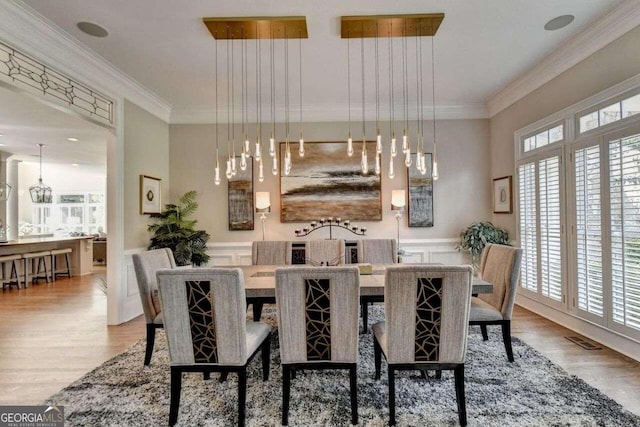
[55, 271]
[13, 278]
[33, 271]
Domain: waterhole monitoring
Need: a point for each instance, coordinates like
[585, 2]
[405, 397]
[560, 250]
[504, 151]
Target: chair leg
[354, 394]
[66, 259]
[242, 395]
[223, 376]
[176, 386]
[506, 337]
[206, 376]
[286, 389]
[439, 374]
[365, 316]
[377, 356]
[392, 395]
[265, 353]
[483, 329]
[462, 405]
[257, 311]
[151, 337]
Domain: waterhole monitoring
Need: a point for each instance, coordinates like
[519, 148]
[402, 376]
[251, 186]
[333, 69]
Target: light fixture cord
[391, 80]
[273, 85]
[349, 77]
[300, 72]
[418, 89]
[259, 82]
[377, 85]
[286, 86]
[233, 107]
[433, 85]
[242, 83]
[405, 91]
[40, 179]
[228, 98]
[363, 85]
[215, 44]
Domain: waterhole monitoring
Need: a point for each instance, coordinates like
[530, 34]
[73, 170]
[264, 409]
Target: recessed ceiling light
[74, 164]
[92, 29]
[1, 134]
[72, 139]
[1, 145]
[559, 22]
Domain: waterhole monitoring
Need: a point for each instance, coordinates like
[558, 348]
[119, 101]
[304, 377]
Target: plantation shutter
[550, 228]
[624, 188]
[528, 214]
[589, 230]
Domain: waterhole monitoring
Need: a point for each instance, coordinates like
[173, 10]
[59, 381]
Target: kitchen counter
[82, 246]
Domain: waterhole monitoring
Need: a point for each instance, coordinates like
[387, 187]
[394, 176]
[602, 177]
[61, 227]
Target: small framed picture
[150, 195]
[502, 195]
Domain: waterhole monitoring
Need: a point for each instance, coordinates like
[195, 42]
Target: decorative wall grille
[25, 71]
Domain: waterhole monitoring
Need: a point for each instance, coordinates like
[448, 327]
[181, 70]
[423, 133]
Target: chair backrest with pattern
[500, 265]
[145, 265]
[377, 251]
[318, 313]
[427, 313]
[271, 253]
[204, 315]
[325, 252]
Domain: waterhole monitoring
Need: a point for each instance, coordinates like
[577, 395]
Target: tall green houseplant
[475, 237]
[174, 230]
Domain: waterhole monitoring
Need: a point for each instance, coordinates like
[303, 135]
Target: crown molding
[26, 30]
[597, 35]
[331, 113]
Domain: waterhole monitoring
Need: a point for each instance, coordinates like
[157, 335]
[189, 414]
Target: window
[629, 106]
[546, 137]
[588, 232]
[77, 213]
[541, 227]
[624, 190]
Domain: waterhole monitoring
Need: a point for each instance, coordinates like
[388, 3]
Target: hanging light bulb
[405, 142]
[301, 146]
[243, 161]
[349, 145]
[392, 174]
[272, 145]
[287, 159]
[378, 142]
[419, 160]
[247, 146]
[394, 149]
[274, 168]
[261, 171]
[216, 179]
[364, 163]
[233, 165]
[407, 158]
[258, 152]
[228, 171]
[377, 163]
[436, 175]
[423, 169]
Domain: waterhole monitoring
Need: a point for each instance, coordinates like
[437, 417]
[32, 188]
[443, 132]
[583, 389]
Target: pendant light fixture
[246, 153]
[392, 135]
[435, 174]
[216, 178]
[40, 193]
[349, 138]
[301, 141]
[378, 135]
[364, 163]
[272, 136]
[287, 145]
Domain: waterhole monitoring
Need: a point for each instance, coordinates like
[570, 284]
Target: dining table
[260, 285]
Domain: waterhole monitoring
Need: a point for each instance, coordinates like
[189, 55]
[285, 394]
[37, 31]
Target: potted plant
[174, 230]
[475, 237]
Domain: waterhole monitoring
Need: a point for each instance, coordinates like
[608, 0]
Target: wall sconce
[263, 207]
[398, 203]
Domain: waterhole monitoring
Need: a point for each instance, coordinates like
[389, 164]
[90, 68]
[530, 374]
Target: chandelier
[235, 34]
[396, 29]
[40, 193]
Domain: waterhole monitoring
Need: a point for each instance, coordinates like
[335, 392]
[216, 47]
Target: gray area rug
[532, 391]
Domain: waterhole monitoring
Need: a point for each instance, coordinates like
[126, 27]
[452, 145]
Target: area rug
[532, 391]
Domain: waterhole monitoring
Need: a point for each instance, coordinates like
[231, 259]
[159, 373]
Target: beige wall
[146, 152]
[461, 195]
[614, 63]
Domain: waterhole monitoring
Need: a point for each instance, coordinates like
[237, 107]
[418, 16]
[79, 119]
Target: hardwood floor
[53, 333]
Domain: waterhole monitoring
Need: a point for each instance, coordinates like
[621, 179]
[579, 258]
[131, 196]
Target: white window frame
[602, 104]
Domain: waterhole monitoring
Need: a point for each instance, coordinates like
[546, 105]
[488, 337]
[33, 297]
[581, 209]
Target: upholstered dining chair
[318, 324]
[375, 251]
[426, 325]
[324, 252]
[145, 265]
[207, 331]
[499, 265]
[271, 253]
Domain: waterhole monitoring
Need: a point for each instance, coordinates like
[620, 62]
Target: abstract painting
[327, 183]
[420, 210]
[241, 198]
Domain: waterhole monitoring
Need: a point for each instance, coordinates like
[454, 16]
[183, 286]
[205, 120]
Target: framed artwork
[150, 195]
[240, 198]
[502, 195]
[328, 183]
[420, 208]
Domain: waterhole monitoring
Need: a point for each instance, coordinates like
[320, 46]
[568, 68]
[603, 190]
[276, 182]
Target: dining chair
[318, 324]
[325, 252]
[426, 325]
[145, 265]
[271, 253]
[499, 265]
[207, 331]
[375, 251]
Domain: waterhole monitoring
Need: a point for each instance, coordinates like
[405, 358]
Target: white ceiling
[480, 47]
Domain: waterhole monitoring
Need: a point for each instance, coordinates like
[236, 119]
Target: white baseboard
[604, 336]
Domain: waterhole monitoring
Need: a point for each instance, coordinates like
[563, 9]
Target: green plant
[475, 237]
[173, 229]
